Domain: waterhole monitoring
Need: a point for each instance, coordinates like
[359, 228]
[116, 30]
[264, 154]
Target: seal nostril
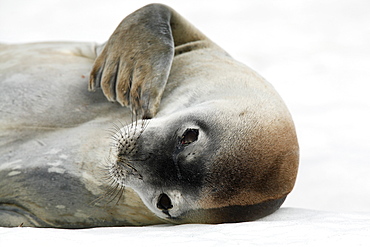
[164, 202]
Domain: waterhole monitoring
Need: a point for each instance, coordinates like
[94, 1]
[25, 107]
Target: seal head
[208, 164]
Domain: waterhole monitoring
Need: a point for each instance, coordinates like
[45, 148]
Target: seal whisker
[128, 168]
[120, 193]
[109, 181]
[115, 192]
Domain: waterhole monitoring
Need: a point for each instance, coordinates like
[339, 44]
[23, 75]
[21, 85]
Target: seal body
[204, 139]
[55, 140]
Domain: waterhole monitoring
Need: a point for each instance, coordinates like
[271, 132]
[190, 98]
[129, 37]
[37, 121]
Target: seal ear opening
[164, 202]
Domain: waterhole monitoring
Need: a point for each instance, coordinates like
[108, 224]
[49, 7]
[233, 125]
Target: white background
[316, 53]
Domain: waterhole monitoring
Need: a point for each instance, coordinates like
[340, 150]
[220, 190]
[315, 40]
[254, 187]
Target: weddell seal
[203, 139]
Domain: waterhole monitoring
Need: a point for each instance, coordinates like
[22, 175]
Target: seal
[202, 138]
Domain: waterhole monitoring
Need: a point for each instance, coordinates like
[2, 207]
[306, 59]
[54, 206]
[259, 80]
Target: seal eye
[189, 136]
[164, 202]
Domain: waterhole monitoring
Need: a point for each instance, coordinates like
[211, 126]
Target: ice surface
[287, 227]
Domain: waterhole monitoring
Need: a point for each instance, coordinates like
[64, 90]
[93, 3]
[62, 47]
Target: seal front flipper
[135, 63]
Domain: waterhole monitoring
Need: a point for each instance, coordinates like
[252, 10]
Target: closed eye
[189, 136]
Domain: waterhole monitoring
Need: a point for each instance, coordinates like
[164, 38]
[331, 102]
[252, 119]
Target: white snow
[287, 227]
[316, 54]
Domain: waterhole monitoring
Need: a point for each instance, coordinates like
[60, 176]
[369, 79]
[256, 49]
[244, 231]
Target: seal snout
[124, 152]
[125, 138]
